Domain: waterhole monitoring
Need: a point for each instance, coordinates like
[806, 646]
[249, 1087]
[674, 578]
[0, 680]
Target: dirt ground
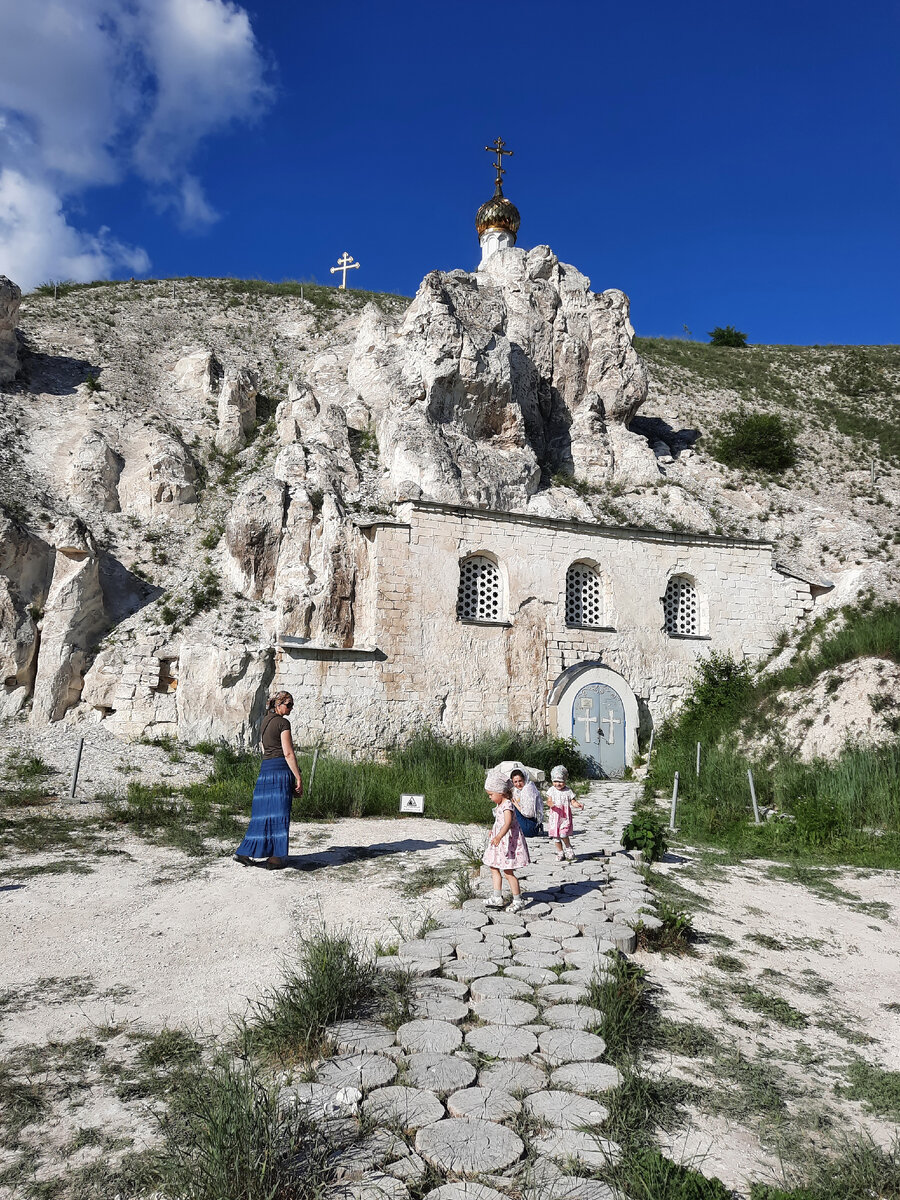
[793, 980]
[828, 944]
[159, 940]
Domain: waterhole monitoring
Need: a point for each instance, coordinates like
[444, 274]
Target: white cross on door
[611, 721]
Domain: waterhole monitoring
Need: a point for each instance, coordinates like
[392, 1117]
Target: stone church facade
[469, 620]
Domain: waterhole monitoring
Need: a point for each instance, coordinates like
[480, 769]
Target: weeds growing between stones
[336, 980]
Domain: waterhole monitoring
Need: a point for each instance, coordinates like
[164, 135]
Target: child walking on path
[562, 800]
[507, 848]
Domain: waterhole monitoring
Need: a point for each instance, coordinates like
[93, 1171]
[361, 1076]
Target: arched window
[681, 608]
[584, 596]
[480, 590]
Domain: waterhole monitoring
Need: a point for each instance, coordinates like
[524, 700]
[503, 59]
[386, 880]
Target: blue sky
[721, 166]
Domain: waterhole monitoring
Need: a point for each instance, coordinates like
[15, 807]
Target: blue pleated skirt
[270, 816]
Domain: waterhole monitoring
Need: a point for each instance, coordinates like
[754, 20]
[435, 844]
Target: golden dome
[498, 213]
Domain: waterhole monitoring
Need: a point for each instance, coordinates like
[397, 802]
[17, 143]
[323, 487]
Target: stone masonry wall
[426, 667]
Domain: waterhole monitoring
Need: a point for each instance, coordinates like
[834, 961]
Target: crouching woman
[278, 782]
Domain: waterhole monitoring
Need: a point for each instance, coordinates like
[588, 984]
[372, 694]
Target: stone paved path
[502, 1045]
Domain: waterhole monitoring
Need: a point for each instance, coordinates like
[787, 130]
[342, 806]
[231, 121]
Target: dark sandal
[243, 860]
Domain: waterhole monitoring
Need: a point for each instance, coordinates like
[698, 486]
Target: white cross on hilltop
[345, 264]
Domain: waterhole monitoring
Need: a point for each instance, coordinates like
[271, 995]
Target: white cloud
[37, 243]
[92, 90]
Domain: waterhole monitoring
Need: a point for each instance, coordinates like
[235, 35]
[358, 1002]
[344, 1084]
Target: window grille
[680, 605]
[584, 598]
[478, 598]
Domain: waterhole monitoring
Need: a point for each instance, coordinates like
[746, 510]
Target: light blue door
[598, 727]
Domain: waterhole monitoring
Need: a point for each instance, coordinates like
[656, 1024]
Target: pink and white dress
[561, 823]
[513, 849]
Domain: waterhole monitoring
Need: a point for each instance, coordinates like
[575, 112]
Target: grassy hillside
[854, 389]
[847, 810]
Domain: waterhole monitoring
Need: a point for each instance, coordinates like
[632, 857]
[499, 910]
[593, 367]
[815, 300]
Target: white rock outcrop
[494, 381]
[74, 616]
[236, 409]
[10, 298]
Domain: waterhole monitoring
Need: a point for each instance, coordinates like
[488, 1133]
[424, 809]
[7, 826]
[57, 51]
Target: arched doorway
[596, 707]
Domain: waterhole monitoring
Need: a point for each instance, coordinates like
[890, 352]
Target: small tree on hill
[729, 336]
[755, 441]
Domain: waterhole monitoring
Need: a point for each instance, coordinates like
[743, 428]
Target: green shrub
[729, 336]
[226, 1135]
[755, 441]
[720, 689]
[336, 980]
[645, 832]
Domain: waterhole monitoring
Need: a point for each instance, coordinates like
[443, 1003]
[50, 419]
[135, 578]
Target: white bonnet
[497, 781]
[559, 773]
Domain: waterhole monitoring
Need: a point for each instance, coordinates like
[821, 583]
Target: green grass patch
[846, 810]
[879, 1090]
[775, 376]
[450, 774]
[768, 1005]
[336, 979]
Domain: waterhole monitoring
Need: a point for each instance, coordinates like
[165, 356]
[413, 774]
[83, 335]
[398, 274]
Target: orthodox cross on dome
[497, 149]
[345, 264]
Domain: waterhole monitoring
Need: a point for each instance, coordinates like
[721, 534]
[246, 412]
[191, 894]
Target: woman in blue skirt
[279, 781]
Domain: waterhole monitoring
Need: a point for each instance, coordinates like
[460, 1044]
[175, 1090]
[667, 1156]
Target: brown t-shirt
[270, 735]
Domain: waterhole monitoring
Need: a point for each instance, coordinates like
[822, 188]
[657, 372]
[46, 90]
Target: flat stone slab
[497, 1011]
[558, 930]
[465, 1190]
[441, 1008]
[517, 1078]
[470, 968]
[364, 1036]
[492, 948]
[571, 1187]
[434, 1037]
[586, 975]
[623, 937]
[544, 961]
[500, 987]
[454, 934]
[415, 966]
[427, 948]
[468, 1146]
[534, 911]
[358, 1160]
[536, 945]
[562, 1110]
[511, 924]
[561, 993]
[461, 916]
[565, 1144]
[361, 1071]
[305, 1096]
[440, 1072]
[560, 1046]
[586, 1077]
[409, 1107]
[572, 1016]
[587, 959]
[442, 987]
[488, 1104]
[534, 976]
[505, 1041]
[376, 1186]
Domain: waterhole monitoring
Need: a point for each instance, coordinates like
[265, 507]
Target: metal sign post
[674, 803]
[77, 767]
[753, 798]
